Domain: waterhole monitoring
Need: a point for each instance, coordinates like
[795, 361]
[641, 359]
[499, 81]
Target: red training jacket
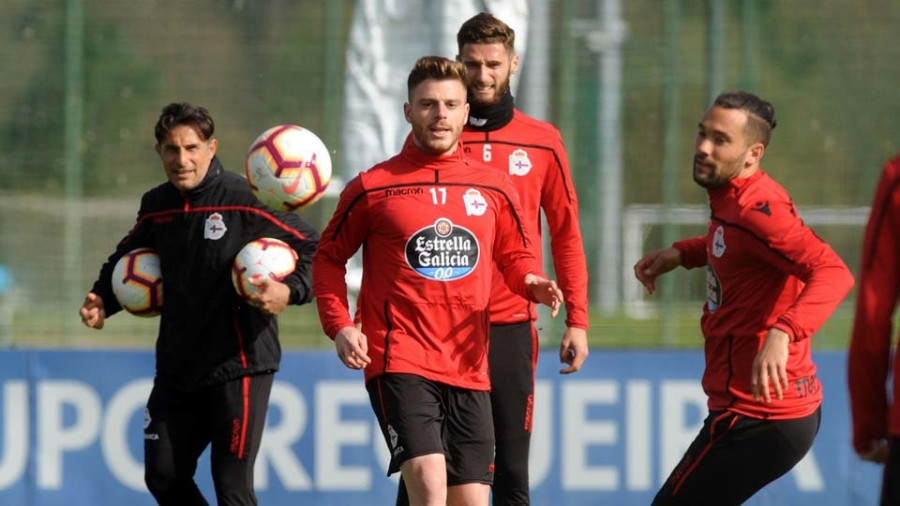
[870, 348]
[765, 269]
[532, 153]
[429, 228]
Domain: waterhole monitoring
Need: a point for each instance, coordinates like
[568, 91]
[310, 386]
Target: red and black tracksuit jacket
[430, 228]
[765, 268]
[876, 417]
[531, 152]
[208, 334]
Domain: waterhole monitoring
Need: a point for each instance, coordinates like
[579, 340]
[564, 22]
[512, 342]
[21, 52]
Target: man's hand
[273, 296]
[878, 451]
[770, 364]
[653, 264]
[93, 313]
[546, 292]
[352, 348]
[573, 349]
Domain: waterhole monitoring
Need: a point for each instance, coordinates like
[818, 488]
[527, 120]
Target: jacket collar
[212, 176]
[492, 117]
[734, 186]
[416, 156]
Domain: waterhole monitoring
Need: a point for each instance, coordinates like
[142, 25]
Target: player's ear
[755, 154]
[407, 112]
[514, 64]
[213, 146]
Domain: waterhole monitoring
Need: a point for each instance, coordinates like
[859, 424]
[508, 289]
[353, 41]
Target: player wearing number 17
[431, 225]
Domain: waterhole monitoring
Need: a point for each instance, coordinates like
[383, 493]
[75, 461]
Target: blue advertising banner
[72, 432]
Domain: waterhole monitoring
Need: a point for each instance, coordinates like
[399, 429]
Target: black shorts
[734, 456]
[420, 417]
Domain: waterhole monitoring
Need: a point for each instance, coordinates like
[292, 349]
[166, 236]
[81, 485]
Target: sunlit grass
[300, 329]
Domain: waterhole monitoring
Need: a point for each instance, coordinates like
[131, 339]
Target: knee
[426, 479]
[428, 484]
[511, 458]
[167, 484]
[160, 480]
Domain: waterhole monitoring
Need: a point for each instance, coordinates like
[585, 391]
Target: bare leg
[469, 494]
[426, 480]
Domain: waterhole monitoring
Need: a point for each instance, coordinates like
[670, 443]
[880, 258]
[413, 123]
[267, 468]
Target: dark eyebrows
[490, 62]
[170, 147]
[714, 131]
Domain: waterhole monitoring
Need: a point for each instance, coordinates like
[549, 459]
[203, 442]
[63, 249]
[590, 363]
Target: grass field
[300, 329]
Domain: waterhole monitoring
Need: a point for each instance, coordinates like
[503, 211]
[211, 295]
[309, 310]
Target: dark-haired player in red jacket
[532, 153]
[431, 225]
[876, 419]
[771, 283]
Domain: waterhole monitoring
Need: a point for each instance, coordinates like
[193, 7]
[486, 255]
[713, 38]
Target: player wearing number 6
[532, 153]
[431, 225]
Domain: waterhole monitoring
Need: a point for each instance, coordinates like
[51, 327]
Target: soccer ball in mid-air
[137, 282]
[262, 258]
[288, 167]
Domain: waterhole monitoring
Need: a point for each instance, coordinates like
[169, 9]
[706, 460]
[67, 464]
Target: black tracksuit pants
[734, 456]
[179, 425]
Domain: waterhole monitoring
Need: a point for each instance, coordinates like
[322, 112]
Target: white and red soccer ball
[137, 282]
[260, 259]
[288, 167]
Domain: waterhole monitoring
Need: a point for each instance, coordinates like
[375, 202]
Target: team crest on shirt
[718, 243]
[215, 227]
[475, 203]
[519, 164]
[443, 251]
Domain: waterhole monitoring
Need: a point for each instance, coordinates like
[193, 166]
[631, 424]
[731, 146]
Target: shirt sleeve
[693, 251]
[304, 239]
[793, 248]
[560, 204]
[868, 361]
[512, 252]
[339, 241]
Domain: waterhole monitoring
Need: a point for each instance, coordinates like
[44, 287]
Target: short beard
[720, 178]
[502, 90]
[709, 184]
[429, 146]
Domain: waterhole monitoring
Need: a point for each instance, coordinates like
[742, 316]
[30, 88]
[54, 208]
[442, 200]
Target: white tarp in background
[386, 39]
